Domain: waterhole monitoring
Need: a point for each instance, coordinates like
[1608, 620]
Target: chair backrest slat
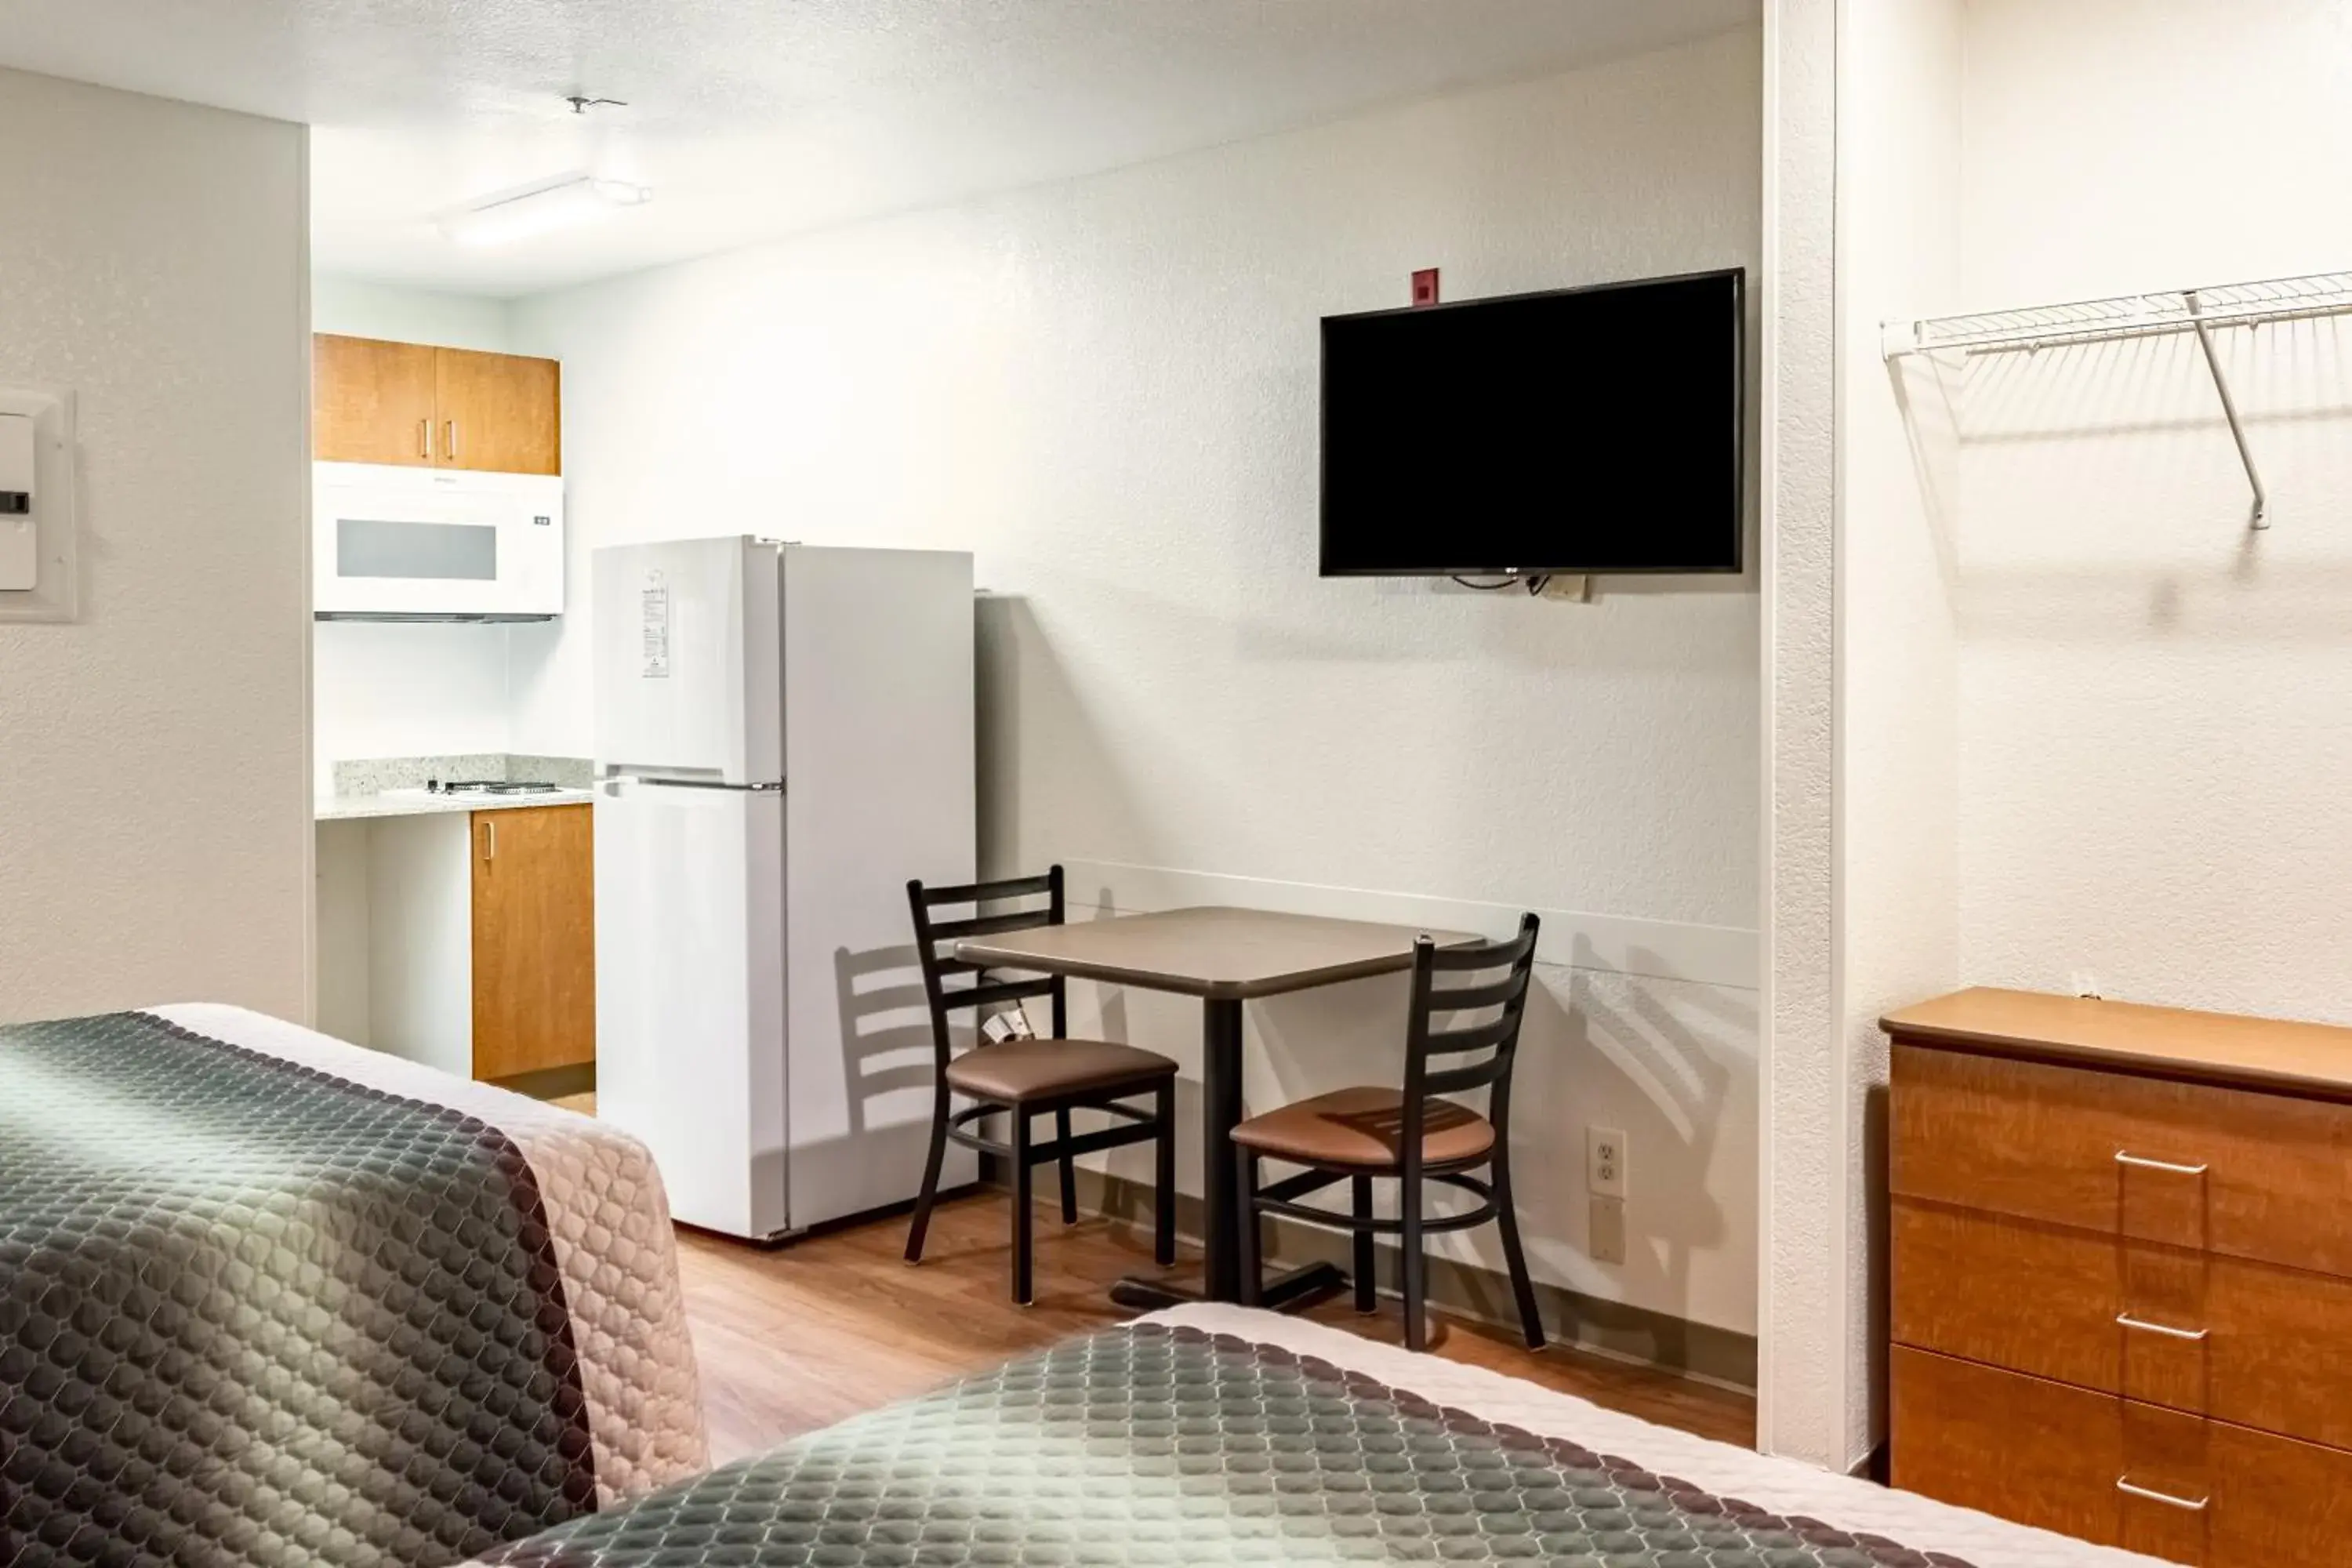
[1477, 1037]
[987, 988]
[987, 925]
[1498, 1036]
[1461, 1080]
[1470, 998]
[990, 892]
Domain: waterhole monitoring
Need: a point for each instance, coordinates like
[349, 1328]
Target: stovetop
[489, 786]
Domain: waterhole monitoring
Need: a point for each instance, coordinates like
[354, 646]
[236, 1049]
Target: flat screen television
[1580, 430]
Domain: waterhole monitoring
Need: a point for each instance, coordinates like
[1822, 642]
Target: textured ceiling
[752, 118]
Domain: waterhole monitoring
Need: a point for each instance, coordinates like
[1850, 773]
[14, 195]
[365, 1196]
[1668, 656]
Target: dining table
[1227, 957]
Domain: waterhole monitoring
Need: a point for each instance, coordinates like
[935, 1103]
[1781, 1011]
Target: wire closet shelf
[2165, 313]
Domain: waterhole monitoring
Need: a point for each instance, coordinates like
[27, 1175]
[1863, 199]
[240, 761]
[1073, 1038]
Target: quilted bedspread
[1164, 1443]
[256, 1309]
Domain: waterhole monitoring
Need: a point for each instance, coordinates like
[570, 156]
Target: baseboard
[1612, 1328]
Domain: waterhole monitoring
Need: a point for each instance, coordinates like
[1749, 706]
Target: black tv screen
[1581, 430]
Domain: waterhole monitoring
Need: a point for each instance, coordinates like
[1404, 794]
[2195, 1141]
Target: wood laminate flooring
[795, 1337]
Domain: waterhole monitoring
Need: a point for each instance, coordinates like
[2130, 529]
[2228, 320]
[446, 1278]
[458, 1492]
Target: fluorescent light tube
[541, 209]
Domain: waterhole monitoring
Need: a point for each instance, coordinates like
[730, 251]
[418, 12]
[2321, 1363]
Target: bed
[268, 1297]
[1217, 1434]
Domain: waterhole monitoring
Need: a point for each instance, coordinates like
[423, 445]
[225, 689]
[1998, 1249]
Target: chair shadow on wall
[886, 1027]
[1618, 1017]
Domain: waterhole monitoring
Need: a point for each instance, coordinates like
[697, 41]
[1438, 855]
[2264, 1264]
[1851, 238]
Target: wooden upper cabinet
[498, 412]
[377, 402]
[534, 940]
[374, 402]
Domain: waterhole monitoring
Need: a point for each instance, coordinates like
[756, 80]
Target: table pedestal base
[1293, 1291]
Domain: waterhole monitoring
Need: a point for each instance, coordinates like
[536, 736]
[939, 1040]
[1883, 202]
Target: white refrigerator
[783, 737]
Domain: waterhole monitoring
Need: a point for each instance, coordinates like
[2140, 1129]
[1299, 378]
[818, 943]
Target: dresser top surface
[2220, 1047]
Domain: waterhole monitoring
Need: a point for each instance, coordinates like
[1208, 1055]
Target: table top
[1222, 953]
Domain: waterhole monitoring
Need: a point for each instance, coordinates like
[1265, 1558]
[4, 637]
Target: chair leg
[1416, 1267]
[930, 1191]
[1514, 1256]
[1246, 1202]
[1368, 1285]
[1023, 1171]
[1163, 1178]
[1069, 1169]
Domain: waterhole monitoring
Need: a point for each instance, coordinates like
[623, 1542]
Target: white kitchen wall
[1107, 390]
[358, 308]
[154, 810]
[407, 690]
[2153, 738]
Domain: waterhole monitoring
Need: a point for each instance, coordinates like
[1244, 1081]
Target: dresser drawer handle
[2128, 1321]
[2166, 1498]
[2145, 1163]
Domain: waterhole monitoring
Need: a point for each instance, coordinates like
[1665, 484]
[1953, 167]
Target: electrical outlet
[1605, 1236]
[1604, 1162]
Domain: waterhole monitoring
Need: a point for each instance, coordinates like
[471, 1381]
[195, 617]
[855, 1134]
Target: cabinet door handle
[424, 439]
[2145, 1163]
[449, 439]
[2187, 1505]
[2144, 1326]
[489, 841]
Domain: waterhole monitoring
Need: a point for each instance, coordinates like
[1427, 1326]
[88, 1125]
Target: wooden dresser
[2121, 1300]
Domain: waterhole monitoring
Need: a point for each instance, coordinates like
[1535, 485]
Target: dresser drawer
[2246, 1343]
[2236, 1172]
[2114, 1471]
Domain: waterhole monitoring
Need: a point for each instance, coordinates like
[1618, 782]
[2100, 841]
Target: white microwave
[392, 544]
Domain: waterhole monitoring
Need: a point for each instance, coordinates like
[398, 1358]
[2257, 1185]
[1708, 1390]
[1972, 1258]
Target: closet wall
[2154, 706]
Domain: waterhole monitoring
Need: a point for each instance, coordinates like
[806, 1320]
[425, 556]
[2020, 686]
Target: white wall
[1897, 850]
[1804, 1375]
[354, 307]
[155, 812]
[2155, 751]
[407, 690]
[1107, 390]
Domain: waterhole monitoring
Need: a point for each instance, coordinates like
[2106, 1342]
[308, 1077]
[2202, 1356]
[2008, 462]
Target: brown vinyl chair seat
[1018, 1072]
[1362, 1130]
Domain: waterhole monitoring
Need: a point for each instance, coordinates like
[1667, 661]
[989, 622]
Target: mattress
[266, 1297]
[1217, 1434]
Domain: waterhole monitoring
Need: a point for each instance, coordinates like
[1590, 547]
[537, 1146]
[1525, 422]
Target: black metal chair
[1025, 1077]
[1361, 1135]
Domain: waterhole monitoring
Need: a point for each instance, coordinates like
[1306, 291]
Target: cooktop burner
[490, 787]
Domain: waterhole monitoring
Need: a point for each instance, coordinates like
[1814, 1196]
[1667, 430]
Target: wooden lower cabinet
[534, 913]
[2112, 1470]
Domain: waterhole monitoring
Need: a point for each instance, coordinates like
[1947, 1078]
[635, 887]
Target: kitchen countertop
[419, 803]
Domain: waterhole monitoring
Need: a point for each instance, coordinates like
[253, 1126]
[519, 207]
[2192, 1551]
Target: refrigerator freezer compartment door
[689, 661]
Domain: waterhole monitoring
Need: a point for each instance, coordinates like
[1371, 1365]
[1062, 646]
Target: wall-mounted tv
[1580, 430]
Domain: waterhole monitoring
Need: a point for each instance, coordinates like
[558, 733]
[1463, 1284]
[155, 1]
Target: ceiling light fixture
[542, 208]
